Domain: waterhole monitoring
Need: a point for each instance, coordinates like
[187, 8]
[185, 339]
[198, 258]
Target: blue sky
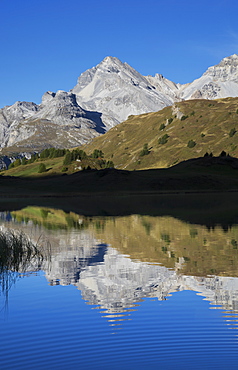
[46, 44]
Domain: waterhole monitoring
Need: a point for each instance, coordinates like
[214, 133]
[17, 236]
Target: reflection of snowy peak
[67, 266]
[115, 282]
[218, 290]
[119, 283]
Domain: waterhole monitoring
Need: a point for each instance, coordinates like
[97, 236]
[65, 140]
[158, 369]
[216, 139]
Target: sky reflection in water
[148, 284]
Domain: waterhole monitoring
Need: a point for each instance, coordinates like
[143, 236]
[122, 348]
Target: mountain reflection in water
[117, 262]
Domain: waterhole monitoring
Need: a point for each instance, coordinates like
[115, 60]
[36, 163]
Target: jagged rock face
[11, 116]
[226, 70]
[18, 111]
[117, 90]
[104, 96]
[220, 81]
[61, 108]
[58, 121]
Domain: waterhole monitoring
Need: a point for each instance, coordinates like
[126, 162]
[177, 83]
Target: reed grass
[18, 255]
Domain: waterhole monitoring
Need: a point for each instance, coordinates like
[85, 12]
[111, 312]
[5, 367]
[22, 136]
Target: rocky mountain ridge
[219, 81]
[104, 96]
[117, 90]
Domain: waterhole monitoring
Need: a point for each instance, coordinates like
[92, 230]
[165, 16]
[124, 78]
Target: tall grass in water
[18, 255]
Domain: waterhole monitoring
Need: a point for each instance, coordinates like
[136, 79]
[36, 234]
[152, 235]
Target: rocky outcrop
[58, 121]
[117, 90]
[219, 81]
[104, 96]
[10, 118]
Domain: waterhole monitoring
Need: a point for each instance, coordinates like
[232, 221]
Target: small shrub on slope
[145, 150]
[42, 168]
[164, 139]
[191, 144]
[232, 132]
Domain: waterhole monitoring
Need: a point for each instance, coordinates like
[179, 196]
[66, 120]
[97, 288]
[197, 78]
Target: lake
[128, 292]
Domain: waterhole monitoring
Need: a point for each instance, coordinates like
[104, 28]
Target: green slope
[209, 124]
[54, 166]
[158, 140]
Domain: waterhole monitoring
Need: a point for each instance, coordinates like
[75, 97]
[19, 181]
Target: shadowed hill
[202, 190]
[200, 174]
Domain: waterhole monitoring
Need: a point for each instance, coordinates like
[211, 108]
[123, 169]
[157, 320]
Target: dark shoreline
[205, 208]
[202, 190]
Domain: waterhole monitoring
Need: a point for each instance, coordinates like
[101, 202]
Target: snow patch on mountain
[104, 96]
[117, 90]
[220, 81]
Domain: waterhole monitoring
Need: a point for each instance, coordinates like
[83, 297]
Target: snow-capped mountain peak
[104, 96]
[219, 81]
[117, 90]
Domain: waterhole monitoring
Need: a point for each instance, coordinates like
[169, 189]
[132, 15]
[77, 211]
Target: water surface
[120, 293]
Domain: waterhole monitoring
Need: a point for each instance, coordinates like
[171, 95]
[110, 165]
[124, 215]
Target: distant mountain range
[104, 96]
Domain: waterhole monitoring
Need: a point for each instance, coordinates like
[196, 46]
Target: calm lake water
[135, 292]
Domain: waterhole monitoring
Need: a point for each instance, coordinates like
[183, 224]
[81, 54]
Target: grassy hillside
[187, 130]
[162, 139]
[54, 166]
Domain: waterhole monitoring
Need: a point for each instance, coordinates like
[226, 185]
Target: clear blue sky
[47, 44]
